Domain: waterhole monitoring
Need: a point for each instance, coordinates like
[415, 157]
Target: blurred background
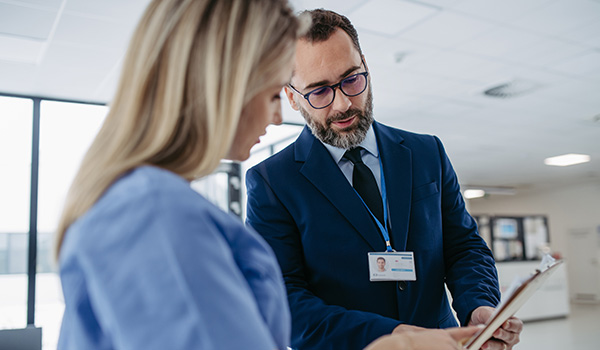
[506, 85]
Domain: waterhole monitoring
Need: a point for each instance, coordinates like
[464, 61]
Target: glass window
[16, 115]
[66, 132]
[277, 138]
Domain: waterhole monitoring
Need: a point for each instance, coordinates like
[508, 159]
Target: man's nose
[341, 102]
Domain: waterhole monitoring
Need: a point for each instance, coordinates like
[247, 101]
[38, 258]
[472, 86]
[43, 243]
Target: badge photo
[392, 266]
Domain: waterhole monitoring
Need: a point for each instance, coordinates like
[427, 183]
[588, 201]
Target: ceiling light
[513, 88]
[478, 191]
[567, 159]
[474, 193]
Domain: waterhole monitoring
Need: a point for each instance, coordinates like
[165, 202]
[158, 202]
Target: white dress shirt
[369, 154]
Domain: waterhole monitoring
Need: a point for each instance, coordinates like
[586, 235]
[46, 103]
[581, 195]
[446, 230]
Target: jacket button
[402, 285]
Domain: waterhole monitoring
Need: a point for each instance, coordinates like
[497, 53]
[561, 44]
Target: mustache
[341, 116]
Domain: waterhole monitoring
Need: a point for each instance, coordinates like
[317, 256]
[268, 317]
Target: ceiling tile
[394, 52]
[560, 16]
[18, 49]
[587, 34]
[446, 29]
[577, 91]
[38, 4]
[106, 89]
[75, 83]
[500, 11]
[113, 10]
[26, 22]
[92, 32]
[17, 78]
[442, 3]
[452, 109]
[411, 82]
[544, 52]
[79, 58]
[499, 41]
[585, 65]
[389, 17]
[462, 66]
[529, 80]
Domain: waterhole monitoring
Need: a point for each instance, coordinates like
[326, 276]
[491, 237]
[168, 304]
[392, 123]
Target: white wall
[568, 208]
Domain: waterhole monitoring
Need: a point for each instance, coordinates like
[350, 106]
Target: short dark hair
[380, 258]
[325, 23]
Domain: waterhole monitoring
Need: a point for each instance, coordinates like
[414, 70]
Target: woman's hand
[417, 338]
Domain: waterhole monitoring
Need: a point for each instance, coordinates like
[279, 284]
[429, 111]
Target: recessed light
[474, 193]
[567, 159]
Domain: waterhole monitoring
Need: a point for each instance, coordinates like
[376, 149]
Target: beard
[346, 138]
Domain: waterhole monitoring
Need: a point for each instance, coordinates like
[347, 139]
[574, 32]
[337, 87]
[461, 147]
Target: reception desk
[550, 301]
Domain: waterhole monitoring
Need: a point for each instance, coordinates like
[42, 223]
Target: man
[302, 201]
[381, 264]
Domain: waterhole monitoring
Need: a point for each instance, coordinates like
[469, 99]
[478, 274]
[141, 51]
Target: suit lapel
[397, 169]
[320, 169]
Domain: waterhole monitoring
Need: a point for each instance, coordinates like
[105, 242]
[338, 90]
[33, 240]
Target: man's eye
[320, 92]
[351, 80]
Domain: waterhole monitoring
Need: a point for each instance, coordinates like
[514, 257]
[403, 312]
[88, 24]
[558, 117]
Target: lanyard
[382, 228]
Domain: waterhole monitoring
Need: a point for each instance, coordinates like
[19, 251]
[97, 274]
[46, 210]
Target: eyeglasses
[323, 96]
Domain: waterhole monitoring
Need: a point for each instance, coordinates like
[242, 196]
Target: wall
[572, 207]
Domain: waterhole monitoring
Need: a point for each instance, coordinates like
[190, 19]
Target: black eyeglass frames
[323, 96]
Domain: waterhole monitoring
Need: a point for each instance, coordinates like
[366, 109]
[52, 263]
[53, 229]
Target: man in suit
[308, 203]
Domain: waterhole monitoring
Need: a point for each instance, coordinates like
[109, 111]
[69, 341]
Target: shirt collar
[369, 143]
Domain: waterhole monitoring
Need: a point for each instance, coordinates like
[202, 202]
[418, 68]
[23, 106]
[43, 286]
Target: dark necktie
[364, 183]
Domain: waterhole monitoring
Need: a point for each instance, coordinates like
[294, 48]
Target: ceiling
[430, 63]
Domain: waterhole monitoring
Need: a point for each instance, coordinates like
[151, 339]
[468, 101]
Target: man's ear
[290, 95]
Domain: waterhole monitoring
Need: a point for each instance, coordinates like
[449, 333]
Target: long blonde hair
[190, 68]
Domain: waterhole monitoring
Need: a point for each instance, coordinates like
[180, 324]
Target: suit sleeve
[315, 324]
[470, 267]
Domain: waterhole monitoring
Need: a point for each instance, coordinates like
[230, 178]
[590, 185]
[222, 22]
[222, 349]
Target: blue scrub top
[154, 265]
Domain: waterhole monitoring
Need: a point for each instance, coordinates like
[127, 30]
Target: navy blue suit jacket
[305, 208]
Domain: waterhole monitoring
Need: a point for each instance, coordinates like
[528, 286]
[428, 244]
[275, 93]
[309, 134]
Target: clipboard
[518, 294]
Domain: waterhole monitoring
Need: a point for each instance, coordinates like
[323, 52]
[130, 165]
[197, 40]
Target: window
[66, 132]
[15, 184]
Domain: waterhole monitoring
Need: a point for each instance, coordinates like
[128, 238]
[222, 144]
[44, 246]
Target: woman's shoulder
[150, 200]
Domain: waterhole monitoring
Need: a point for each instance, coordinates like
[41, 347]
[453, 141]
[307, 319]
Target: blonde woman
[146, 262]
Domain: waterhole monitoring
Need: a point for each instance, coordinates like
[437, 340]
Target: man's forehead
[324, 60]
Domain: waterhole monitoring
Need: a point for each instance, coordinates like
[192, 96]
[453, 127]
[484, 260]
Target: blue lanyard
[382, 228]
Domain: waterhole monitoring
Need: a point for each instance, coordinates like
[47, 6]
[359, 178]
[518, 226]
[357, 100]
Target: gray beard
[353, 135]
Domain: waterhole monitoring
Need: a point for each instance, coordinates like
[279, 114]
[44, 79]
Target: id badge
[392, 266]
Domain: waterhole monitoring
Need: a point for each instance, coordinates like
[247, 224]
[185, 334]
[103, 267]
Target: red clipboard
[511, 305]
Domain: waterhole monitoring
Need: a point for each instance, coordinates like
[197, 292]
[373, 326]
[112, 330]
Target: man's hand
[505, 337]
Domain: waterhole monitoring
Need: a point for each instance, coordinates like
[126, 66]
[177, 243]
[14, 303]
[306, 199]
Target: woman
[146, 262]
